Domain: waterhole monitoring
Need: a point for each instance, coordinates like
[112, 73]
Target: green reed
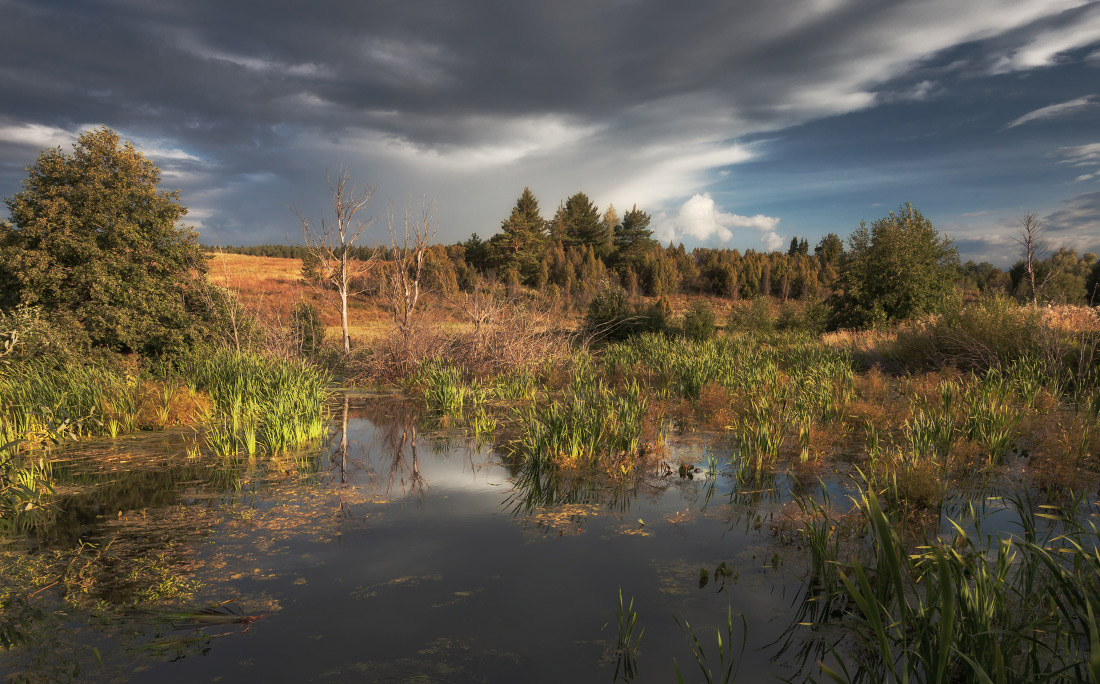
[589, 423]
[627, 640]
[729, 662]
[974, 607]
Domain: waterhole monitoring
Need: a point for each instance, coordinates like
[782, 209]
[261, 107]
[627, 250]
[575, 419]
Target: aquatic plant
[729, 663]
[627, 640]
[975, 607]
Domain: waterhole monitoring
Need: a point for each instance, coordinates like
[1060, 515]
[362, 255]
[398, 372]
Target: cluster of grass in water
[260, 404]
[240, 402]
[972, 607]
[969, 607]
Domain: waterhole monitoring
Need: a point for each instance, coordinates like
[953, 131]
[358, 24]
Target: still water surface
[414, 556]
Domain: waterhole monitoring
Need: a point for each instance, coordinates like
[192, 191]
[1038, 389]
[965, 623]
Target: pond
[414, 554]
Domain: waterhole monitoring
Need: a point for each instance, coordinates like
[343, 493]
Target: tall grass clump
[627, 640]
[728, 661]
[976, 607]
[590, 425]
[277, 403]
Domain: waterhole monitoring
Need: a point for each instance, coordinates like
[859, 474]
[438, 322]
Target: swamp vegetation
[190, 492]
[883, 507]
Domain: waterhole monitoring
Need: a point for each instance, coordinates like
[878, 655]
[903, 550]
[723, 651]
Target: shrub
[755, 316]
[699, 321]
[307, 328]
[809, 317]
[900, 268]
[610, 315]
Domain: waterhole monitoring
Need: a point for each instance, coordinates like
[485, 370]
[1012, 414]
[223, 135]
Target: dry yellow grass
[269, 287]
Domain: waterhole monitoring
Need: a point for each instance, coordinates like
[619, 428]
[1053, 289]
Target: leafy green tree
[476, 252]
[95, 243]
[900, 268]
[829, 249]
[1092, 284]
[521, 241]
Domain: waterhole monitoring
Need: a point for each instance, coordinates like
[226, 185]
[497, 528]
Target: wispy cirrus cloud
[1060, 109]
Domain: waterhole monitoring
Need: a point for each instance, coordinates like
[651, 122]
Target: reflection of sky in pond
[436, 562]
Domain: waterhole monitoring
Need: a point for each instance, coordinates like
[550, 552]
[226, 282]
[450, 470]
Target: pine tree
[633, 240]
[520, 245]
[578, 221]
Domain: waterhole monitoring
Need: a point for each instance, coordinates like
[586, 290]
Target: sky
[734, 124]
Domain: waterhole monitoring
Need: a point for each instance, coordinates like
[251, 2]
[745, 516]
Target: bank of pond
[740, 509]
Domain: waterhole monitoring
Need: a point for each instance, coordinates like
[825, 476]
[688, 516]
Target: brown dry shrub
[392, 358]
[875, 404]
[514, 340]
[1063, 451]
[184, 406]
[917, 483]
[925, 388]
[714, 406]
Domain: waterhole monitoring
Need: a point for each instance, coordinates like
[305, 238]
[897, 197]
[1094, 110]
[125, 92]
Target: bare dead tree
[482, 307]
[408, 250]
[1030, 237]
[331, 241]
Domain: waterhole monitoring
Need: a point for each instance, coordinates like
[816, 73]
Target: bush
[994, 331]
[699, 321]
[900, 268]
[654, 318]
[755, 316]
[809, 317]
[610, 315]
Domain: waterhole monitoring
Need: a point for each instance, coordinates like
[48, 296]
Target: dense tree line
[579, 250]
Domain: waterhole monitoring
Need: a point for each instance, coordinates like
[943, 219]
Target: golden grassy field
[269, 287]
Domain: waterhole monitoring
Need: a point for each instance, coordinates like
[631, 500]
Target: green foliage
[975, 608]
[755, 316]
[900, 268]
[578, 224]
[95, 244]
[610, 315]
[520, 244]
[699, 321]
[633, 239]
[829, 249]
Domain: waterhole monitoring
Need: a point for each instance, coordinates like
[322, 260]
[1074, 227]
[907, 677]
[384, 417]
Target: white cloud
[1044, 48]
[1055, 110]
[701, 219]
[491, 142]
[1080, 155]
[1086, 157]
[36, 135]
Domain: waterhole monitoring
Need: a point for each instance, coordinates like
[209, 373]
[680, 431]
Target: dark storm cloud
[246, 102]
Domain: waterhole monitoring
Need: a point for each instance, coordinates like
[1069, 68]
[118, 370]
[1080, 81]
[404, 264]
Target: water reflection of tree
[394, 445]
